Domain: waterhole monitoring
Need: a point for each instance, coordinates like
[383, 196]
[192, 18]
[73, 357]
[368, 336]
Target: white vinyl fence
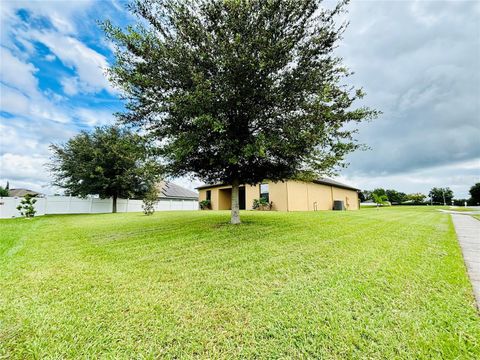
[74, 205]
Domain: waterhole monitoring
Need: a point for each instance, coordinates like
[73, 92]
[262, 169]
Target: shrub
[205, 204]
[149, 201]
[262, 204]
[26, 207]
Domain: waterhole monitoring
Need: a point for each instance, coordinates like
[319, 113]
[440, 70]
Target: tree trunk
[114, 205]
[235, 219]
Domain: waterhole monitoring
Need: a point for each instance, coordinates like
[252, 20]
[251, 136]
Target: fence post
[126, 207]
[91, 205]
[69, 202]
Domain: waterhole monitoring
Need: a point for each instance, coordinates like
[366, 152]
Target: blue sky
[417, 60]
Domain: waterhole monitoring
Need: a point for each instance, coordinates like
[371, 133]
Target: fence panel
[74, 205]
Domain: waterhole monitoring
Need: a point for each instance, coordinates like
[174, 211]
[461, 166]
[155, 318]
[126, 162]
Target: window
[264, 192]
[209, 195]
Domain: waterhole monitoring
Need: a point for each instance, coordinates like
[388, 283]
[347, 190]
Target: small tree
[149, 201]
[475, 194]
[379, 199]
[26, 207]
[109, 161]
[239, 91]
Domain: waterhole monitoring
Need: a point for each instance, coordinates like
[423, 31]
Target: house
[289, 195]
[22, 192]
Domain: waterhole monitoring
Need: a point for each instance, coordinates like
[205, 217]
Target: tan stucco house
[285, 196]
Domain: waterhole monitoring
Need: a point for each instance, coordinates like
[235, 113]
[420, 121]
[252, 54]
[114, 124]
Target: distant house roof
[22, 192]
[323, 181]
[169, 190]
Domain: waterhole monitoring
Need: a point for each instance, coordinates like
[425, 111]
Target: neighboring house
[22, 192]
[170, 191]
[285, 196]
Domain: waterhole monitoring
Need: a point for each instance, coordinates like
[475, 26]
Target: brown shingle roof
[22, 192]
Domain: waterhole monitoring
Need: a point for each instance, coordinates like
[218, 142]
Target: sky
[418, 62]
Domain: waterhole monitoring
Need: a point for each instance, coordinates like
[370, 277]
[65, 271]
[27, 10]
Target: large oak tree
[238, 91]
[109, 162]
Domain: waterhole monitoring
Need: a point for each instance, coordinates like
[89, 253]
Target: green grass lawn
[387, 283]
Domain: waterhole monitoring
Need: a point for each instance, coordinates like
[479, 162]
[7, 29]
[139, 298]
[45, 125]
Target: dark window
[264, 192]
[209, 194]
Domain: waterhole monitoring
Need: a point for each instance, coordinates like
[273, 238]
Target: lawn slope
[387, 283]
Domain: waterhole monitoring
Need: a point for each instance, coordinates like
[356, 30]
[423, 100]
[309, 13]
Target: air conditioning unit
[338, 205]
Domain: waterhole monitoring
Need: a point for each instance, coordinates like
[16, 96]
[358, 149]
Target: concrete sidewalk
[468, 233]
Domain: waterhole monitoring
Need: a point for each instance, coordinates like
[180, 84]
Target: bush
[262, 204]
[26, 206]
[149, 201]
[205, 205]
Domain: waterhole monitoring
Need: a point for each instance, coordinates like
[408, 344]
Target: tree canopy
[417, 198]
[238, 91]
[109, 161]
[396, 197]
[475, 194]
[441, 195]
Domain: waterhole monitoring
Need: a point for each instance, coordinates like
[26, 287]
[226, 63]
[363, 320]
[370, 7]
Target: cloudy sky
[418, 61]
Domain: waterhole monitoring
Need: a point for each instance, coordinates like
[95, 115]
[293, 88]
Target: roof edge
[316, 181]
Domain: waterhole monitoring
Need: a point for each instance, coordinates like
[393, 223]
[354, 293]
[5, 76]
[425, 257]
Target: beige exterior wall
[287, 196]
[319, 197]
[297, 196]
[349, 197]
[251, 193]
[278, 195]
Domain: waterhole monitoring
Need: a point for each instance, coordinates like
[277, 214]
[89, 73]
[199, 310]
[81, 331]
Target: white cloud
[62, 14]
[89, 65]
[50, 57]
[70, 85]
[93, 117]
[17, 73]
[15, 102]
[24, 167]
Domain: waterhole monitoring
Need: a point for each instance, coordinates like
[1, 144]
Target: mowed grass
[378, 283]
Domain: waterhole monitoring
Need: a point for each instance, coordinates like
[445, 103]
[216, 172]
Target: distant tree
[7, 187]
[475, 194]
[396, 197]
[379, 192]
[26, 207]
[3, 191]
[461, 202]
[366, 194]
[238, 91]
[417, 198]
[361, 196]
[441, 195]
[109, 161]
